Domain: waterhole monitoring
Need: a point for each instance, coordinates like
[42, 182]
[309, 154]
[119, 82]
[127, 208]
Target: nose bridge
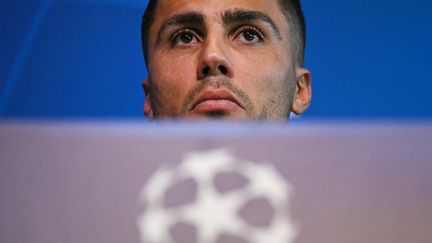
[214, 46]
[214, 56]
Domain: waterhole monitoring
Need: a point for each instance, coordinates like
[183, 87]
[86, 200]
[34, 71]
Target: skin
[249, 60]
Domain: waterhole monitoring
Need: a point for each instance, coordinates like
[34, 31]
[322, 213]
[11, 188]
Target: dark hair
[290, 8]
[297, 27]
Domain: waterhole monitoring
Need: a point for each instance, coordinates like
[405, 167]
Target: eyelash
[246, 28]
[174, 40]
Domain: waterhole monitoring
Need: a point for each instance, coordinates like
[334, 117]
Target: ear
[303, 94]
[148, 109]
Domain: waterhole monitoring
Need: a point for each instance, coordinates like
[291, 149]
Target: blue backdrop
[83, 59]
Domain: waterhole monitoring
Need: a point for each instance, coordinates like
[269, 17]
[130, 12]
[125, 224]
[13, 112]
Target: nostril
[223, 69]
[206, 71]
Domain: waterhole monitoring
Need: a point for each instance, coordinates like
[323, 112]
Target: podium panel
[216, 182]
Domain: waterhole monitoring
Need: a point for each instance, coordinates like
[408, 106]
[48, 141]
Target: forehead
[213, 9]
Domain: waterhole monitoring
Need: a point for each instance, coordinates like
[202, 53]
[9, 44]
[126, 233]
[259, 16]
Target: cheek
[171, 80]
[265, 78]
[167, 72]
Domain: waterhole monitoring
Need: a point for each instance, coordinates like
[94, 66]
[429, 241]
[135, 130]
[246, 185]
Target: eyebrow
[184, 18]
[229, 17]
[239, 15]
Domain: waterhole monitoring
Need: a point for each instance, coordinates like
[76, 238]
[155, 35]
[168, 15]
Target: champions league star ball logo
[255, 210]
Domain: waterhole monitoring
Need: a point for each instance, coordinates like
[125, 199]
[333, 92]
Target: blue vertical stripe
[6, 92]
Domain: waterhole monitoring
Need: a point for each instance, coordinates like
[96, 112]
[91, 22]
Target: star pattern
[213, 213]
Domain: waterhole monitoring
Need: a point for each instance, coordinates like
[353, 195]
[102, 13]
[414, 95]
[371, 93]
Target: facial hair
[192, 95]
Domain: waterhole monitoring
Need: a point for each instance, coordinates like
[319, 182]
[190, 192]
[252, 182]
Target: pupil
[186, 38]
[249, 36]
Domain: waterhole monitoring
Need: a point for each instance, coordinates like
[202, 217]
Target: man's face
[225, 59]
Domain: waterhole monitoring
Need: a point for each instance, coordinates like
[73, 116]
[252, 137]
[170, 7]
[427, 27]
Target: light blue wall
[83, 59]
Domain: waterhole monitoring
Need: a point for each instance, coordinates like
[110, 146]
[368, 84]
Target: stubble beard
[224, 83]
[274, 108]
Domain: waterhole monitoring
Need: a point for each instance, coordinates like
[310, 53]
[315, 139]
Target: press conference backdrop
[83, 59]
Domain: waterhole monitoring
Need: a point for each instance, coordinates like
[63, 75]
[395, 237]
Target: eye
[249, 34]
[184, 37]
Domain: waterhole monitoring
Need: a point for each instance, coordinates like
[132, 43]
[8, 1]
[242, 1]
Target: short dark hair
[293, 12]
[291, 9]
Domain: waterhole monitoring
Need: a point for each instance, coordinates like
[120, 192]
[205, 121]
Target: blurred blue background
[83, 59]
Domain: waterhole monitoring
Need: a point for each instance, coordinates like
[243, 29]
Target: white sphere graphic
[211, 212]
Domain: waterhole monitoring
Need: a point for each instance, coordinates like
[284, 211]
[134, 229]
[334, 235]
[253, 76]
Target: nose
[214, 60]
